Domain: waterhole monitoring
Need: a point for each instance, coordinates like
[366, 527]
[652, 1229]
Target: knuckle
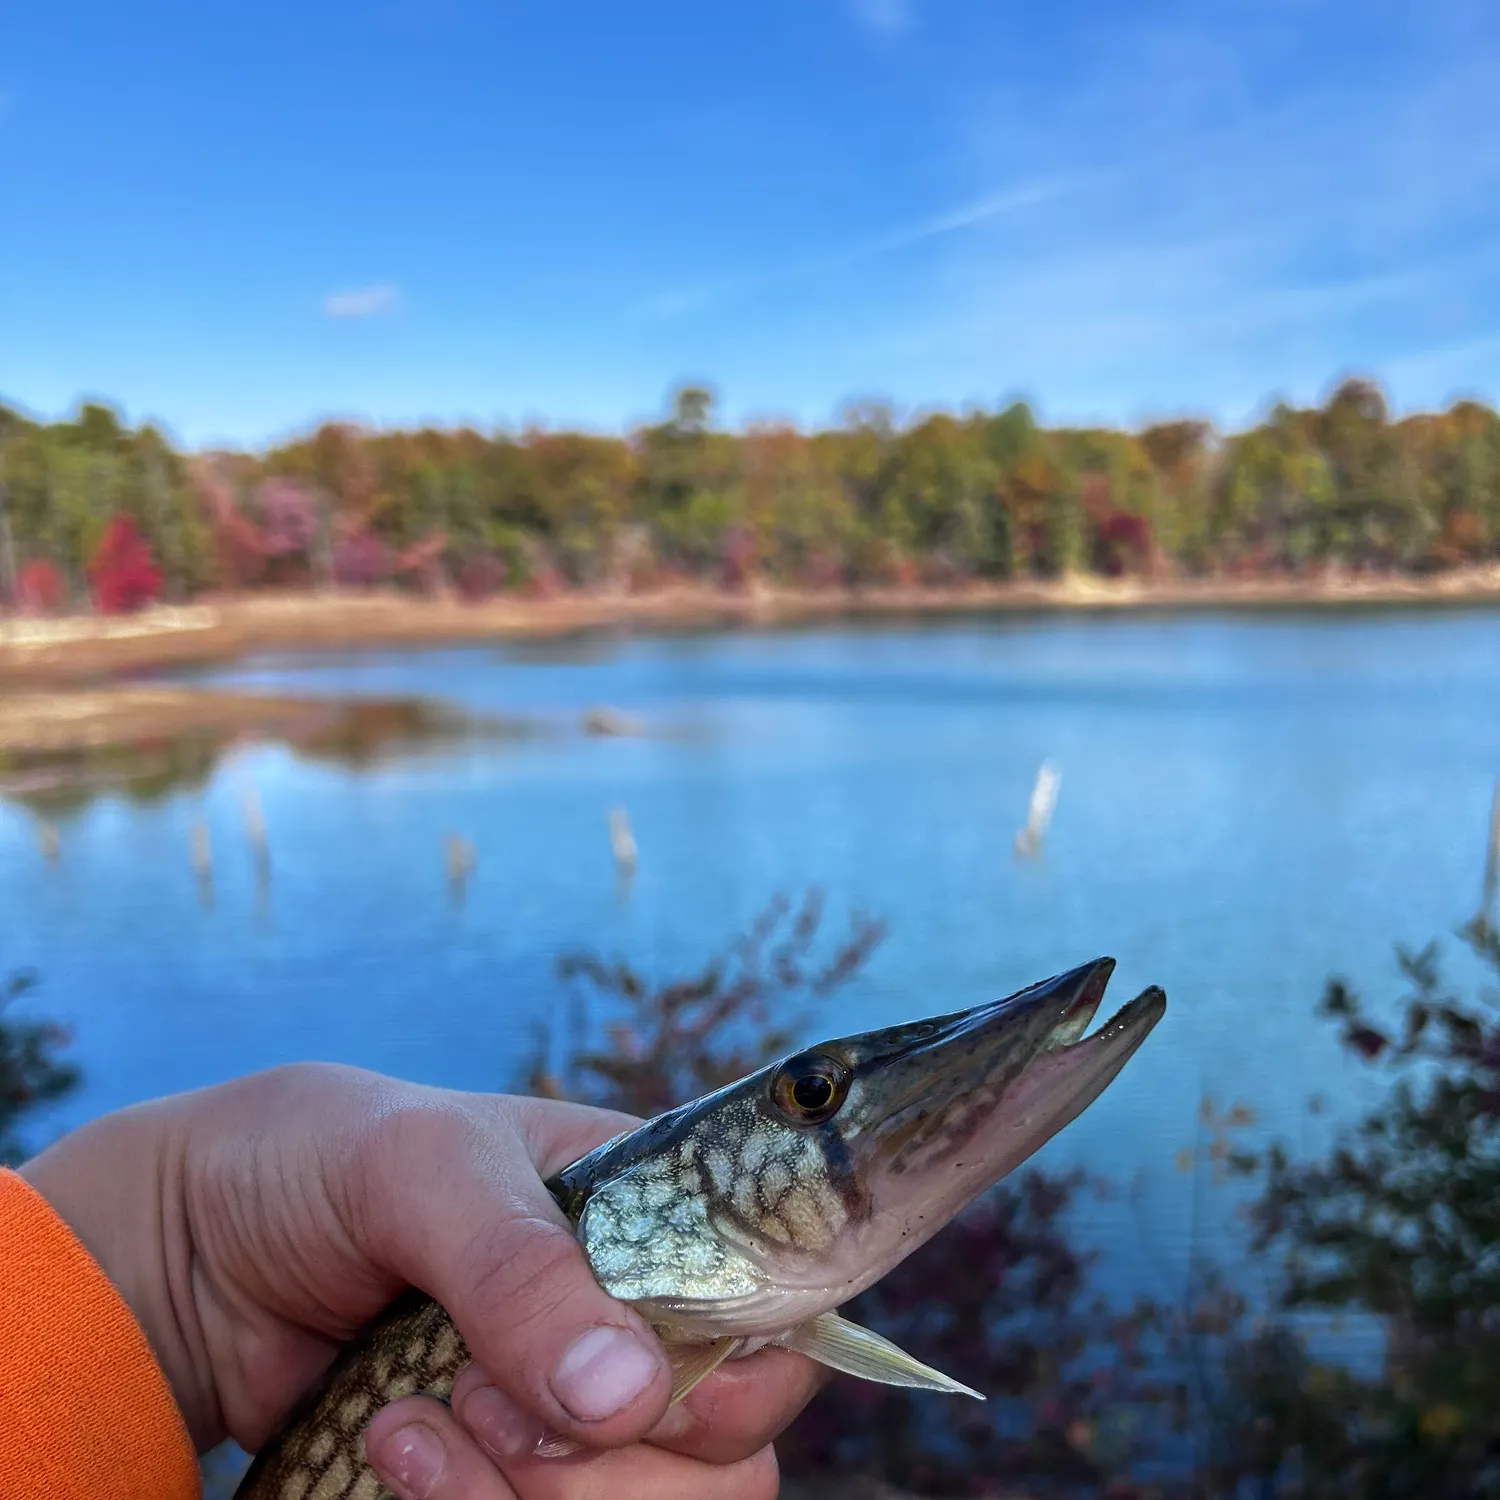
[410, 1126]
[393, 1168]
[526, 1270]
[404, 1135]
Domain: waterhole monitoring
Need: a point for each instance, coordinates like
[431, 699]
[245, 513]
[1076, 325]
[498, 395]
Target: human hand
[255, 1226]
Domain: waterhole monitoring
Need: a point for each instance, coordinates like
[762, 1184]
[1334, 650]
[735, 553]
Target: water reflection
[357, 733]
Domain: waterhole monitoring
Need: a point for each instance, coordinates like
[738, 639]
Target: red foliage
[289, 516]
[481, 574]
[39, 587]
[1124, 543]
[545, 583]
[902, 572]
[124, 574]
[825, 570]
[421, 564]
[1368, 1042]
[241, 542]
[361, 561]
[737, 557]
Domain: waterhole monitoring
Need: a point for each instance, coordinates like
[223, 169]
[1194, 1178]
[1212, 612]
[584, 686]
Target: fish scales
[412, 1349]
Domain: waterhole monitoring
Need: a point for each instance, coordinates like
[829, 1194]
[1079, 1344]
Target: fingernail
[500, 1425]
[411, 1461]
[602, 1373]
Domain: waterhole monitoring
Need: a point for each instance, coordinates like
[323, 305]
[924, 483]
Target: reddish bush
[289, 516]
[39, 588]
[361, 561]
[824, 570]
[481, 574]
[545, 583]
[1124, 543]
[124, 574]
[737, 557]
[420, 565]
[901, 572]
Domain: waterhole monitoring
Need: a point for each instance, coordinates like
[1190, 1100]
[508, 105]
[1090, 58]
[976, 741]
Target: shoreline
[70, 650]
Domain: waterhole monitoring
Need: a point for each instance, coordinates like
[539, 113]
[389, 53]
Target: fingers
[482, 1450]
[642, 1473]
[744, 1405]
[740, 1409]
[455, 1204]
[421, 1453]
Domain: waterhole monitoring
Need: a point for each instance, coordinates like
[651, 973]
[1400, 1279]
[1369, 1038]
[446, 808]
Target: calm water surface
[1247, 805]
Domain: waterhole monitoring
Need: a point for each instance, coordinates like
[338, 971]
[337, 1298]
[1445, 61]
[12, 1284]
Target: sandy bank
[41, 724]
[74, 648]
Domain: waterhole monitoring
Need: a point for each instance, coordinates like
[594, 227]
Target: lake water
[1248, 805]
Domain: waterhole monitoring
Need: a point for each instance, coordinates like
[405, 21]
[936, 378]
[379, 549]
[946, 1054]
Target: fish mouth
[1012, 1072]
[1091, 1062]
[1130, 1024]
[1056, 1060]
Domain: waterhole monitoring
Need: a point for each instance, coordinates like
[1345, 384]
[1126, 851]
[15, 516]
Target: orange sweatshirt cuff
[85, 1410]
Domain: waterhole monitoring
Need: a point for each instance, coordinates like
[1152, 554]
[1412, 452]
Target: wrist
[117, 1184]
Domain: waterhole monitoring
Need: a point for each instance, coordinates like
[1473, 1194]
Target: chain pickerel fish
[748, 1216]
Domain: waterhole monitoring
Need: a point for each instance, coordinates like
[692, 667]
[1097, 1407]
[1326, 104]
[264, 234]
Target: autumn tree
[123, 573]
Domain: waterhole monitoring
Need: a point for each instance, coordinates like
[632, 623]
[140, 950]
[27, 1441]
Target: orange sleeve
[85, 1411]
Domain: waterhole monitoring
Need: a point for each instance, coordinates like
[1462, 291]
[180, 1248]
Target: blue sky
[240, 220]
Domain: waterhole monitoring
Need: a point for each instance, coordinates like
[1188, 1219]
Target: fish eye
[809, 1088]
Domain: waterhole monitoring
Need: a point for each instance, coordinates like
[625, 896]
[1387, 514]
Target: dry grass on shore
[90, 647]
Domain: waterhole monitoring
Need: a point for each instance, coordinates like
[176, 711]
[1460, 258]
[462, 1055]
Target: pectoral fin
[842, 1345]
[555, 1445]
[691, 1365]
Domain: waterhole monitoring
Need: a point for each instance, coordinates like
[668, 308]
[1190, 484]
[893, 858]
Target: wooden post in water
[203, 861]
[255, 832]
[622, 842]
[461, 862]
[1039, 814]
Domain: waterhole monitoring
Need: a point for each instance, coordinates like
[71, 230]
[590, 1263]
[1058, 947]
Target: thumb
[456, 1206]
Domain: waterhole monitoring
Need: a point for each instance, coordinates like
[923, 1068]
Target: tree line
[92, 510]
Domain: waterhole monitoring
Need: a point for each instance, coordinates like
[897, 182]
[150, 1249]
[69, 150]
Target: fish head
[781, 1196]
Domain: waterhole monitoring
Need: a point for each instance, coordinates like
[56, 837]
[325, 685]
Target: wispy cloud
[884, 17]
[682, 302]
[981, 211]
[365, 302]
[1262, 216]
